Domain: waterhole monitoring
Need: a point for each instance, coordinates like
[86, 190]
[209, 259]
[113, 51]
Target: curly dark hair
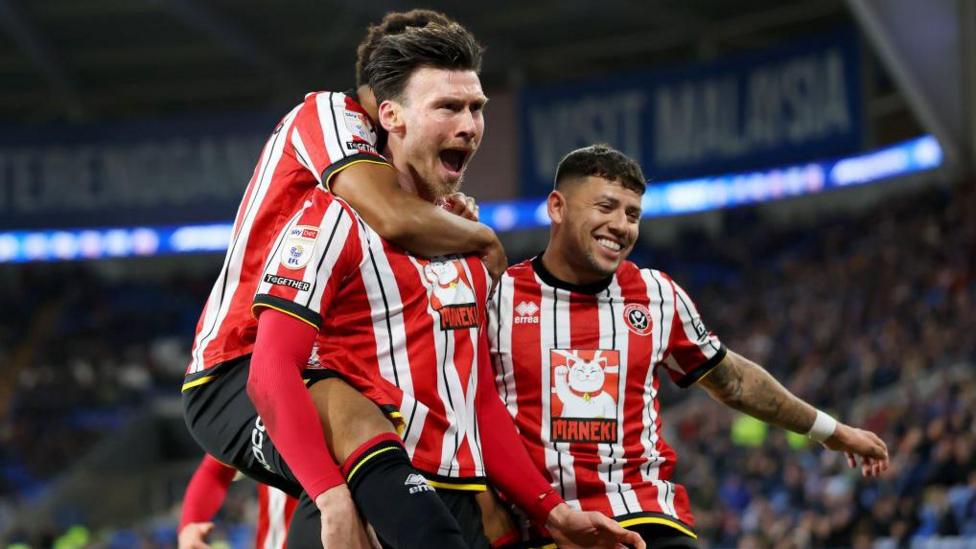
[405, 42]
[394, 22]
[601, 161]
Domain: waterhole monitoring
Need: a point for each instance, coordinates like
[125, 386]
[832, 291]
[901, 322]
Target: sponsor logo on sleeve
[359, 126]
[361, 146]
[296, 251]
[299, 285]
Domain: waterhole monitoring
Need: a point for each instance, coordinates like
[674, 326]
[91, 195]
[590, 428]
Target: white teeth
[607, 243]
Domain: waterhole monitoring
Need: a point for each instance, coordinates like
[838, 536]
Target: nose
[618, 223]
[467, 125]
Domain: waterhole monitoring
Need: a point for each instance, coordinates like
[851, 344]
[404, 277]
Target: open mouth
[453, 159]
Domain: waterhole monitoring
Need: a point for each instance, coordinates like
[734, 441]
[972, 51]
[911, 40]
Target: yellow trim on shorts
[658, 520]
[197, 382]
[369, 457]
[459, 487]
[280, 310]
[332, 175]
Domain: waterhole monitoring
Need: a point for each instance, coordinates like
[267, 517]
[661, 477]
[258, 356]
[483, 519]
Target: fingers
[851, 461]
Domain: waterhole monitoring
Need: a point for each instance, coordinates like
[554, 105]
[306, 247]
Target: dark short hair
[394, 22]
[388, 58]
[601, 161]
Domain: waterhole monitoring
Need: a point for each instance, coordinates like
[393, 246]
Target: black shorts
[224, 422]
[467, 512]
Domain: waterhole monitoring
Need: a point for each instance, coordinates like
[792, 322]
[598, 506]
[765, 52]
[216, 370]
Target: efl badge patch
[296, 250]
[638, 319]
[451, 293]
[583, 399]
[359, 126]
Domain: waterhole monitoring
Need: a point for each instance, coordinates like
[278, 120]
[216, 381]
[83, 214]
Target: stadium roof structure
[114, 59]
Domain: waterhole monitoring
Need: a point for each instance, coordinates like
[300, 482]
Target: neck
[559, 262]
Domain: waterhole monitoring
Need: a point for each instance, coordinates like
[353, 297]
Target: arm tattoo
[745, 386]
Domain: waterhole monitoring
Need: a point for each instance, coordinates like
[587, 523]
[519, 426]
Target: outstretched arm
[745, 386]
[413, 223]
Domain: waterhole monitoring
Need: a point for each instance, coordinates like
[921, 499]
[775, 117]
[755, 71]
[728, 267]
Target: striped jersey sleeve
[693, 350]
[318, 249]
[332, 132]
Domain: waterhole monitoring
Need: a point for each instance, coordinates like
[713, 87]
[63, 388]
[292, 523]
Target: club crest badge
[638, 319]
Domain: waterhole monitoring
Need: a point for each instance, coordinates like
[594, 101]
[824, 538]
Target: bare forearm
[428, 230]
[745, 386]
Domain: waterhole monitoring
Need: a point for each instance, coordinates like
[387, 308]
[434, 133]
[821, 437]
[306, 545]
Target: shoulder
[520, 270]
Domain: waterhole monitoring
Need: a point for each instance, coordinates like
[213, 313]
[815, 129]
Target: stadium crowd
[852, 313]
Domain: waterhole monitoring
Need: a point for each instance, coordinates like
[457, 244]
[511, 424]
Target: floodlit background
[812, 187]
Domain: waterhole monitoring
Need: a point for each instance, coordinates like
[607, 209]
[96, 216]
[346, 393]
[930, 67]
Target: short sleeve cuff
[290, 308]
[333, 169]
[701, 371]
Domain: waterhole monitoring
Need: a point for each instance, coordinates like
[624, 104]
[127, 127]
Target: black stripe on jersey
[304, 161]
[413, 414]
[691, 377]
[386, 313]
[325, 252]
[555, 345]
[335, 124]
[233, 245]
[620, 393]
[289, 307]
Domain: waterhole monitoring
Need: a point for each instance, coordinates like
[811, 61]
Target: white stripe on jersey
[414, 417]
[449, 386]
[325, 104]
[658, 291]
[471, 420]
[275, 538]
[614, 335]
[302, 154]
[554, 330]
[383, 294]
[500, 326]
[219, 301]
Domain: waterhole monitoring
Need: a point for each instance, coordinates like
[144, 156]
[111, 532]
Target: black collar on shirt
[550, 279]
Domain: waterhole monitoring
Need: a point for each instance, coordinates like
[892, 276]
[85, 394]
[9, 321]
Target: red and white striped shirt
[325, 134]
[275, 509]
[578, 369]
[389, 320]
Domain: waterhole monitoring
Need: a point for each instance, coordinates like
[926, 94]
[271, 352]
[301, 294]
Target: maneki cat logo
[451, 294]
[583, 403]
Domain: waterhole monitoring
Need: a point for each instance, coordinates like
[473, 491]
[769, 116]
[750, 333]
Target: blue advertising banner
[184, 169]
[795, 103]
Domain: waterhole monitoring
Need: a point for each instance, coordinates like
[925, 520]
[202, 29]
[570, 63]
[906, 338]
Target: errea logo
[526, 312]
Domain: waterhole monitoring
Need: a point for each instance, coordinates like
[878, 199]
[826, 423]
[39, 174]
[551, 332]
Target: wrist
[334, 499]
[824, 426]
[552, 510]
